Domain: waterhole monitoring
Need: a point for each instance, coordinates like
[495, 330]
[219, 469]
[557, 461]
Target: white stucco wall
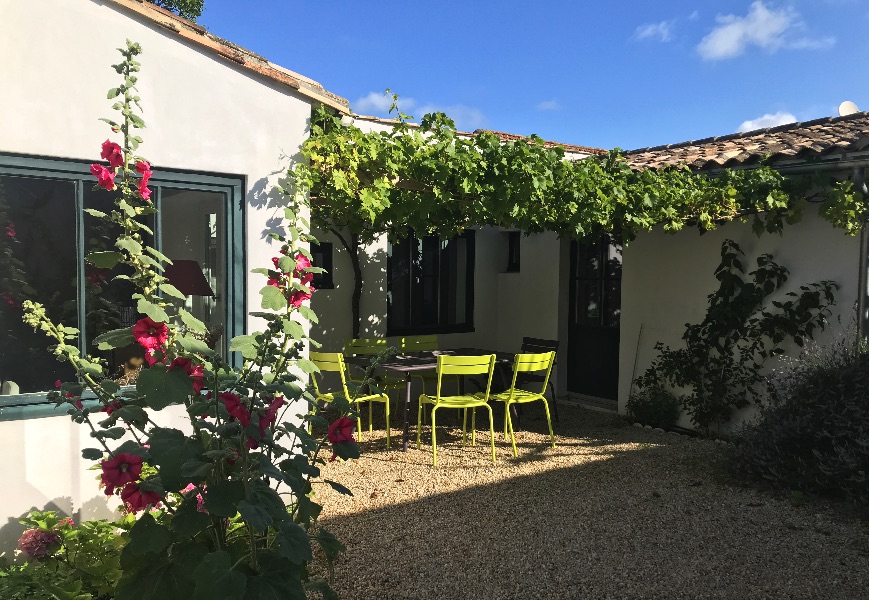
[203, 113]
[667, 278]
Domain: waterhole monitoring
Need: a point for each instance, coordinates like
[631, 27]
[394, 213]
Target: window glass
[38, 261]
[430, 285]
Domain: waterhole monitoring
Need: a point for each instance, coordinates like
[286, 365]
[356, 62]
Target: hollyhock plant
[235, 407]
[10, 230]
[302, 263]
[36, 544]
[298, 297]
[113, 154]
[195, 372]
[119, 470]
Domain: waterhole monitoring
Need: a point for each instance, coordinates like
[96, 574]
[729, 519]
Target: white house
[223, 124]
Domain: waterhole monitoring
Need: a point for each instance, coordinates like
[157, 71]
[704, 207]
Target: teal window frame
[36, 405]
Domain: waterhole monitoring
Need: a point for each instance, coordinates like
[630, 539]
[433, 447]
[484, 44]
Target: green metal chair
[372, 347]
[334, 362]
[458, 366]
[525, 364]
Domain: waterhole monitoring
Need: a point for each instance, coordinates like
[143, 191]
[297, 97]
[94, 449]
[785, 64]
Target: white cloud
[763, 27]
[659, 31]
[694, 15]
[467, 118]
[548, 105]
[767, 120]
[376, 102]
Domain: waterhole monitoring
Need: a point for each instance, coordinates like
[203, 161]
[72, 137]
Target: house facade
[223, 125]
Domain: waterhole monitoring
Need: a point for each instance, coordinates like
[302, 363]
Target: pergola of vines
[431, 179]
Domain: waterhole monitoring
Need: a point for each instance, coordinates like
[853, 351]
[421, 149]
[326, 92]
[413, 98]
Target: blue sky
[628, 74]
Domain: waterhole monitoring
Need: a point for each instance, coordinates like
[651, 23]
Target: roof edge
[250, 61]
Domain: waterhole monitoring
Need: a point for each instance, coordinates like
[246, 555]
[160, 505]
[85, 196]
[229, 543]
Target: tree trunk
[355, 300]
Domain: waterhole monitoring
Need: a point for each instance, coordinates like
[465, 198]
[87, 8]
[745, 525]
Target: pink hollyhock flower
[9, 300]
[144, 190]
[93, 275]
[235, 408]
[195, 372]
[341, 431]
[71, 396]
[120, 469]
[137, 499]
[111, 407]
[270, 415]
[298, 297]
[38, 543]
[112, 153]
[10, 230]
[143, 167]
[150, 334]
[105, 177]
[67, 522]
[200, 501]
[302, 263]
[57, 384]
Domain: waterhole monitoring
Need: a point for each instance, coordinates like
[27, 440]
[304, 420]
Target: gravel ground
[612, 512]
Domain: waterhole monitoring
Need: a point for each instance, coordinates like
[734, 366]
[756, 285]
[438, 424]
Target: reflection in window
[430, 284]
[598, 283]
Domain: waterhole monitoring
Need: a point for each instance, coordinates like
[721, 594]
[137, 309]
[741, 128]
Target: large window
[431, 285]
[46, 234]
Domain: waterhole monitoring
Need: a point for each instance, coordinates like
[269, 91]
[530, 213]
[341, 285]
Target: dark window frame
[442, 294]
[323, 281]
[35, 404]
[514, 252]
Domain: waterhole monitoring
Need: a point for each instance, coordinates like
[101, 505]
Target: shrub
[65, 560]
[813, 435]
[653, 406]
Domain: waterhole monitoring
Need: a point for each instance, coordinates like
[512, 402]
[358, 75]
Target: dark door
[595, 307]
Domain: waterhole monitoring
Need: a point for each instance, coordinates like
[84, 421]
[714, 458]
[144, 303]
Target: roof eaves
[246, 59]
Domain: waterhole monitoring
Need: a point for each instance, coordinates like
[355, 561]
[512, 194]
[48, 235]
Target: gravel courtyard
[612, 512]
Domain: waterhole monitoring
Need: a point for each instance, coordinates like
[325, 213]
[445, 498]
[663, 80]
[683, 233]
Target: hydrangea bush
[225, 507]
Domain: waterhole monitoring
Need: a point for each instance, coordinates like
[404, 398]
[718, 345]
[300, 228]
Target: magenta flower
[119, 470]
[105, 177]
[298, 296]
[143, 167]
[235, 407]
[195, 372]
[10, 230]
[144, 190]
[38, 543]
[112, 153]
[137, 499]
[150, 334]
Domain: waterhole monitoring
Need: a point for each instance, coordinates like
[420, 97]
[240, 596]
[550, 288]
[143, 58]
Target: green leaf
[132, 414]
[95, 213]
[307, 366]
[273, 298]
[222, 498]
[329, 544]
[156, 313]
[246, 344]
[92, 454]
[104, 260]
[196, 470]
[148, 537]
[286, 264]
[162, 388]
[117, 338]
[309, 314]
[191, 344]
[171, 290]
[263, 507]
[279, 579]
[294, 329]
[192, 323]
[115, 433]
[129, 244]
[215, 579]
[293, 543]
[346, 450]
[170, 449]
[158, 255]
[187, 520]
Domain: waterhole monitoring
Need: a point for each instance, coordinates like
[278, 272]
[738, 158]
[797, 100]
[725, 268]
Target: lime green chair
[421, 343]
[458, 366]
[372, 347]
[334, 362]
[524, 364]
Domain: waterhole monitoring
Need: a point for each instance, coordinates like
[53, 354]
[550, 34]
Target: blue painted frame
[36, 405]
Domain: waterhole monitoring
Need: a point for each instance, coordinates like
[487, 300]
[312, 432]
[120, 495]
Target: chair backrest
[533, 363]
[466, 365]
[329, 362]
[365, 346]
[538, 345]
[418, 343]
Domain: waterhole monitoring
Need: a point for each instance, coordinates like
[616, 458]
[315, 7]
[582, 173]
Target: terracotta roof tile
[821, 137]
[246, 59]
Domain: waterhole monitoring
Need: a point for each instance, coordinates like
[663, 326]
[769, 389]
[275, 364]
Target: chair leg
[386, 404]
[512, 435]
[549, 421]
[554, 403]
[464, 424]
[418, 423]
[473, 426]
[506, 417]
[359, 421]
[491, 431]
[434, 442]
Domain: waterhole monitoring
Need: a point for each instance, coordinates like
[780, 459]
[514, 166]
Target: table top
[427, 360]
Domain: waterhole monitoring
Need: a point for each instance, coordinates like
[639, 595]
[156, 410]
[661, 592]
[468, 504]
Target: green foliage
[235, 486]
[85, 565]
[813, 434]
[653, 406]
[189, 9]
[721, 362]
